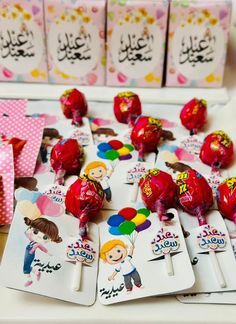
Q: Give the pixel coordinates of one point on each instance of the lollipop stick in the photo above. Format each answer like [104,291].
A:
[77,276]
[134,192]
[217,269]
[169,264]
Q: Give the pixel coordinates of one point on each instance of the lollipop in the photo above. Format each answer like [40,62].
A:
[194,115]
[158,192]
[195,196]
[146,134]
[217,150]
[66,158]
[226,199]
[127,107]
[74,105]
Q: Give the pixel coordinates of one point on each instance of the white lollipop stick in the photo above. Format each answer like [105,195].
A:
[77,276]
[169,264]
[217,269]
[134,192]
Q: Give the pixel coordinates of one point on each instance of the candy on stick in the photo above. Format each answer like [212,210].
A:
[127,107]
[217,150]
[74,105]
[158,192]
[193,115]
[84,199]
[195,196]
[146,134]
[226,198]
[66,159]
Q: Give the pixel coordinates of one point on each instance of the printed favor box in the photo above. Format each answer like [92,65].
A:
[76,41]
[197,42]
[136,36]
[22,41]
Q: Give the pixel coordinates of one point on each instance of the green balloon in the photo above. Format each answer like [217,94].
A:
[144,211]
[129,147]
[127,227]
[112,155]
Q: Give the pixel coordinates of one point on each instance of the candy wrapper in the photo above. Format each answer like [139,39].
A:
[74,106]
[127,107]
[146,134]
[66,159]
[194,115]
[217,150]
[226,199]
[84,199]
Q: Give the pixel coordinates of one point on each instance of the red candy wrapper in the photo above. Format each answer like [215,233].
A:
[127,107]
[217,150]
[74,105]
[158,192]
[226,199]
[66,158]
[194,194]
[146,134]
[194,115]
[84,199]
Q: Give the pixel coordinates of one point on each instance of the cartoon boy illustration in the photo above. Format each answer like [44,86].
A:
[116,252]
[98,171]
[40,231]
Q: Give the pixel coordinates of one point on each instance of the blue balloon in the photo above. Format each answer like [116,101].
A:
[103,147]
[101,155]
[115,220]
[114,231]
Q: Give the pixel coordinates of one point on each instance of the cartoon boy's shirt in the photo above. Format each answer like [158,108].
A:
[126,267]
[104,183]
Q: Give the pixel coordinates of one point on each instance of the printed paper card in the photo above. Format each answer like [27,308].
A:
[22,41]
[211,253]
[6,184]
[13,108]
[44,250]
[29,130]
[135,251]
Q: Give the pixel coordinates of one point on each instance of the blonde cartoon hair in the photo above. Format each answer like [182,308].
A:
[108,246]
[94,165]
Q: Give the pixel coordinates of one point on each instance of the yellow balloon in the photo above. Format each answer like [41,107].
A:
[123,151]
[28,209]
[138,219]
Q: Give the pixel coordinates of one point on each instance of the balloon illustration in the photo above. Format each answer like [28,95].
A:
[129,221]
[115,149]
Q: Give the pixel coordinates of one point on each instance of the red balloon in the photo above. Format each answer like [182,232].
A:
[217,150]
[146,135]
[127,107]
[194,194]
[66,158]
[84,199]
[158,192]
[194,115]
[226,198]
[74,105]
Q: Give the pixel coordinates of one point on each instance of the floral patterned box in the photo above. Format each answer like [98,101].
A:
[197,42]
[136,36]
[22,41]
[76,41]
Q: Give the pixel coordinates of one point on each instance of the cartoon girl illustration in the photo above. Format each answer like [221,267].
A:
[98,171]
[40,231]
[48,135]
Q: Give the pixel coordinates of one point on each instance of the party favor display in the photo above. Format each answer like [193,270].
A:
[76,41]
[197,43]
[136,35]
[22,41]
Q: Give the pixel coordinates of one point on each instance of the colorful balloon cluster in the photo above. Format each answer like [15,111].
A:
[115,149]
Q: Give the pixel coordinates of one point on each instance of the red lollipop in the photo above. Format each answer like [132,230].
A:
[217,150]
[127,107]
[194,115]
[84,199]
[74,105]
[194,194]
[158,192]
[66,158]
[226,198]
[146,134]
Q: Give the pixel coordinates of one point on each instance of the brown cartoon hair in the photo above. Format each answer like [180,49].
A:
[45,226]
[52,133]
